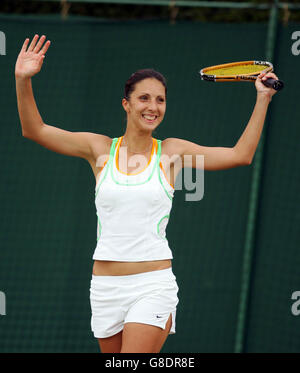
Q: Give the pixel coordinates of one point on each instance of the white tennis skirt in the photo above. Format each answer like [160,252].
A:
[147,298]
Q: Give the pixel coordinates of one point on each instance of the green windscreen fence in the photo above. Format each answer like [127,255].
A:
[48,216]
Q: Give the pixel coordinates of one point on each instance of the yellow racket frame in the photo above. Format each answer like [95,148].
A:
[205,75]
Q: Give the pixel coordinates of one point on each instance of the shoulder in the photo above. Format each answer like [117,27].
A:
[100,145]
[172,146]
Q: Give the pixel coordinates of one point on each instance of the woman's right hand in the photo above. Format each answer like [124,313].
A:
[29,62]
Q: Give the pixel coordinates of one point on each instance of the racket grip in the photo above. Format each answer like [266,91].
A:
[273,83]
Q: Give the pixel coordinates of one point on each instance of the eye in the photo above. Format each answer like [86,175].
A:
[144,97]
[161,100]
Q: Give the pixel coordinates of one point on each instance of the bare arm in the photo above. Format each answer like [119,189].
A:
[29,63]
[77,144]
[219,158]
[248,142]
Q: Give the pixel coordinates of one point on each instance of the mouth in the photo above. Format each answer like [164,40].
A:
[149,118]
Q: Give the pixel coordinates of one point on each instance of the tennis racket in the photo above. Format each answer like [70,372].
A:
[241,71]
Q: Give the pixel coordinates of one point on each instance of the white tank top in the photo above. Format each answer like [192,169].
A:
[133,210]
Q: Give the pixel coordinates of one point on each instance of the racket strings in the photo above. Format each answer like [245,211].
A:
[237,70]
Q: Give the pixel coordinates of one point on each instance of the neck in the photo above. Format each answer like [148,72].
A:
[137,143]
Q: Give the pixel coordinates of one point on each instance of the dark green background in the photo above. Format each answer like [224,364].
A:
[48,217]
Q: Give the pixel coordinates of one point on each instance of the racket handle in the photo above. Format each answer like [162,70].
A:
[273,83]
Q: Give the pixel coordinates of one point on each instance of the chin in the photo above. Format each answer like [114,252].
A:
[150,127]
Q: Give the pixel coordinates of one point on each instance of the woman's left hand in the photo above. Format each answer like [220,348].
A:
[261,88]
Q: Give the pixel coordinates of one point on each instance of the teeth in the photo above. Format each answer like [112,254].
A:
[149,117]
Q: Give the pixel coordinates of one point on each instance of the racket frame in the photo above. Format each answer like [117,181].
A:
[204,73]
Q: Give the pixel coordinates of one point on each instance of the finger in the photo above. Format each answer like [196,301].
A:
[270,75]
[39,44]
[24,46]
[45,47]
[273,76]
[32,44]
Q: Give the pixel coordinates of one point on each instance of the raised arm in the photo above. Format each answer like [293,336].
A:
[219,158]
[29,63]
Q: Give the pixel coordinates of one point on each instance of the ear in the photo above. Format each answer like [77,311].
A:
[125,105]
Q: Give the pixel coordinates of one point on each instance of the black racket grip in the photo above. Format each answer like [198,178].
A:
[273,83]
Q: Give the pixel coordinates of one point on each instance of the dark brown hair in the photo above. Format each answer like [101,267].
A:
[141,75]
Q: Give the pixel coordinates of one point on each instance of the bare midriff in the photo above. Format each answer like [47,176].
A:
[112,268]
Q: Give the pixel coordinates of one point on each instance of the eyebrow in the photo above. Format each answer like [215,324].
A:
[145,93]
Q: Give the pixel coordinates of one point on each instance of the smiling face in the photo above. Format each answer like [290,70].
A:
[146,106]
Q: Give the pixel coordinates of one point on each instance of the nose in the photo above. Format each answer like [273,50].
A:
[153,105]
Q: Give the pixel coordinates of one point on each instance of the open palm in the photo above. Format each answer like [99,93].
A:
[29,61]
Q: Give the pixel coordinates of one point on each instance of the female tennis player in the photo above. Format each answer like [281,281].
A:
[133,290]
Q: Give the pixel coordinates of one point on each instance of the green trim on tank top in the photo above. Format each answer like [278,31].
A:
[111,153]
[156,166]
[158,226]
[141,183]
[99,229]
[158,170]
